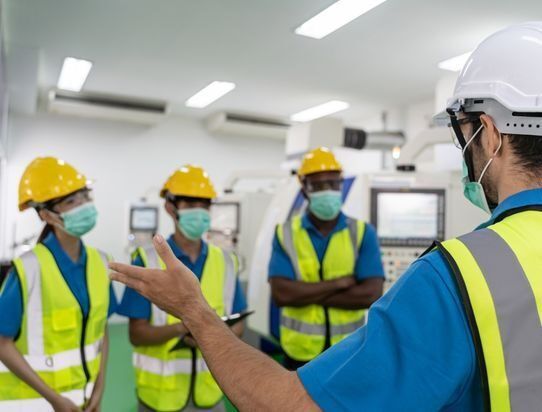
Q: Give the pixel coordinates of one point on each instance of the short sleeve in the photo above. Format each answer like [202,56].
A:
[369,263]
[133,305]
[416,349]
[280,264]
[11,306]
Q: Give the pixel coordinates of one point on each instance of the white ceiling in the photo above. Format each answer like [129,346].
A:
[169,49]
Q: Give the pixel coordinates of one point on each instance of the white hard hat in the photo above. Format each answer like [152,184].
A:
[503,78]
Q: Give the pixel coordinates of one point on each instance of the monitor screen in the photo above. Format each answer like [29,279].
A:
[409,217]
[144,218]
[225,217]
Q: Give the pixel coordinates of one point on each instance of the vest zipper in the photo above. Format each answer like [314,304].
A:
[84,334]
[193,377]
[327,341]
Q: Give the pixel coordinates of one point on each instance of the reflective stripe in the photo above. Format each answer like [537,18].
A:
[158,316]
[162,367]
[353,231]
[104,258]
[302,327]
[347,328]
[289,248]
[59,361]
[229,282]
[34,320]
[77,396]
[201,365]
[517,315]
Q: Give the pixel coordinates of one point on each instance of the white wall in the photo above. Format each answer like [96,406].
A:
[126,161]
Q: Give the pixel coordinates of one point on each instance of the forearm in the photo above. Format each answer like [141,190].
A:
[293,293]
[238,329]
[360,296]
[142,333]
[17,364]
[250,379]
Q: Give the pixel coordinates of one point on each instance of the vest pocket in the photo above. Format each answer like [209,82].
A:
[64,319]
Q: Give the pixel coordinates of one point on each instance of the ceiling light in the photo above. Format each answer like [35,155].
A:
[74,73]
[335,16]
[321,110]
[455,64]
[209,94]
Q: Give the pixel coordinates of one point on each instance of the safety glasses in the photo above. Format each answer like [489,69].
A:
[77,198]
[457,135]
[321,185]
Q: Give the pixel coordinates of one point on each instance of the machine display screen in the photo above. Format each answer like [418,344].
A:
[408,217]
[144,218]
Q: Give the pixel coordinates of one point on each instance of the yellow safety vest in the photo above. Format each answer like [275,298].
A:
[304,330]
[165,380]
[498,271]
[58,342]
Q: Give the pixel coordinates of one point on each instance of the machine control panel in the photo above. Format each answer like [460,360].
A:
[396,261]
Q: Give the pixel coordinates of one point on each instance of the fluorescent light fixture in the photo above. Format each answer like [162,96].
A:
[209,94]
[321,110]
[335,16]
[74,73]
[455,64]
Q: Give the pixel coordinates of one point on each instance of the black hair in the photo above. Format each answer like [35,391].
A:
[45,232]
[528,153]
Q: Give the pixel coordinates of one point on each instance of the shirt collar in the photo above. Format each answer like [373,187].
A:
[62,258]
[307,224]
[525,198]
[180,254]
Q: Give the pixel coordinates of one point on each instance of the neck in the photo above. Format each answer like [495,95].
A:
[324,226]
[191,247]
[513,181]
[70,244]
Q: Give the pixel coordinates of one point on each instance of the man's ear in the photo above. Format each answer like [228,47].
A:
[493,137]
[170,209]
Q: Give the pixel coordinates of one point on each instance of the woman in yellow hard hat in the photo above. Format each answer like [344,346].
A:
[170,379]
[56,300]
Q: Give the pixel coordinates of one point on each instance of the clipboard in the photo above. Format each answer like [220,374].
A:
[229,320]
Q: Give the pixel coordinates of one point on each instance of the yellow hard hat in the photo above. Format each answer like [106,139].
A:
[319,160]
[189,181]
[48,178]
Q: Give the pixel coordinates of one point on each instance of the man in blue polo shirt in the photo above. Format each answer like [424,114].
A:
[461,329]
[325,268]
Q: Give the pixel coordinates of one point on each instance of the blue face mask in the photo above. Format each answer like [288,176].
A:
[474,191]
[326,204]
[80,220]
[193,223]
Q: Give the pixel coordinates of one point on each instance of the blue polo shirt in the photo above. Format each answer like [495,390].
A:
[369,263]
[416,351]
[11,305]
[135,306]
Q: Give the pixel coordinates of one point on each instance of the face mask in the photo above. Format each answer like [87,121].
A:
[325,205]
[474,191]
[193,223]
[80,220]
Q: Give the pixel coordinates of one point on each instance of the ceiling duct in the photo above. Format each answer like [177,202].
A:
[106,106]
[360,139]
[244,125]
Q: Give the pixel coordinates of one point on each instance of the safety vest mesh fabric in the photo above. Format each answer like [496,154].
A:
[303,329]
[498,272]
[56,340]
[165,380]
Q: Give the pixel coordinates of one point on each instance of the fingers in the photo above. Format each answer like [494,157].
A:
[130,282]
[165,252]
[134,272]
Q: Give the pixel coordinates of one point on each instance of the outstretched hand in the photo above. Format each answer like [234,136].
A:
[173,289]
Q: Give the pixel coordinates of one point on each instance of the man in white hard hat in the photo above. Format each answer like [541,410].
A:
[461,330]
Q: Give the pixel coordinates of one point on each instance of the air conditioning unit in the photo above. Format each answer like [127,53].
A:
[242,125]
[105,106]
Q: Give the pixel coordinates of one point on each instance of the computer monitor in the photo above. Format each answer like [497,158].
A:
[144,219]
[225,217]
[409,217]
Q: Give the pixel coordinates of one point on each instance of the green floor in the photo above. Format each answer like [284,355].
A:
[120,390]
